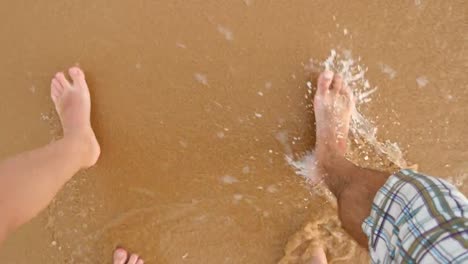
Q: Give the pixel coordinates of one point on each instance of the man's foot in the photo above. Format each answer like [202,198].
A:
[73,104]
[121,257]
[333,104]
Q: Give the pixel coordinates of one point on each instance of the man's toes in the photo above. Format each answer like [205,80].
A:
[350,100]
[337,83]
[120,256]
[63,80]
[133,259]
[324,81]
[348,93]
[140,261]
[77,76]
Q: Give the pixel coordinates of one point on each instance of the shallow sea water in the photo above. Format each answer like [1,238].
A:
[203,110]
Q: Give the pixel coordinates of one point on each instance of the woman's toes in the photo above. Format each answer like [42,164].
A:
[324,81]
[77,76]
[133,259]
[337,84]
[318,256]
[54,95]
[76,71]
[56,90]
[120,256]
[140,261]
[63,80]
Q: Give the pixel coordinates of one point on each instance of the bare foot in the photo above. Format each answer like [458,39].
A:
[121,257]
[333,104]
[318,256]
[73,104]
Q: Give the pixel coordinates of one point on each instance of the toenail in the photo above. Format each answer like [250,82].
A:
[328,74]
[121,254]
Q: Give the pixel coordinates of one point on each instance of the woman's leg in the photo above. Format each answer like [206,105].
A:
[30,180]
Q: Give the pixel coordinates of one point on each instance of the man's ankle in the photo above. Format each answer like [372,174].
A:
[329,161]
[337,172]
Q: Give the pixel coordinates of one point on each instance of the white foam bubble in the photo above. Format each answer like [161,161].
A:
[228,179]
[389,71]
[220,134]
[181,45]
[201,78]
[45,117]
[272,188]
[422,81]
[226,32]
[238,197]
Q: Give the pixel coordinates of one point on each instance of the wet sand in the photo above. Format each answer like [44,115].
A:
[188,101]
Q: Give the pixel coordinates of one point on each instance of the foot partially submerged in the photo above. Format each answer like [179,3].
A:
[73,104]
[333,104]
[121,256]
[353,187]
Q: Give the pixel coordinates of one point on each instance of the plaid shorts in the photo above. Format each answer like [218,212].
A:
[417,219]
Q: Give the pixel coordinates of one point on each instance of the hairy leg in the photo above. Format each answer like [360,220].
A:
[354,187]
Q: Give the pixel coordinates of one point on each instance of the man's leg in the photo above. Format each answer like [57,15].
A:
[408,217]
[354,187]
[29,181]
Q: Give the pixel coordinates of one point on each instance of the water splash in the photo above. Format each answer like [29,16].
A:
[362,129]
[323,228]
[305,166]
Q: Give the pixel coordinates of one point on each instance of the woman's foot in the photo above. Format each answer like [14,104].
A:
[121,256]
[318,256]
[333,104]
[73,104]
